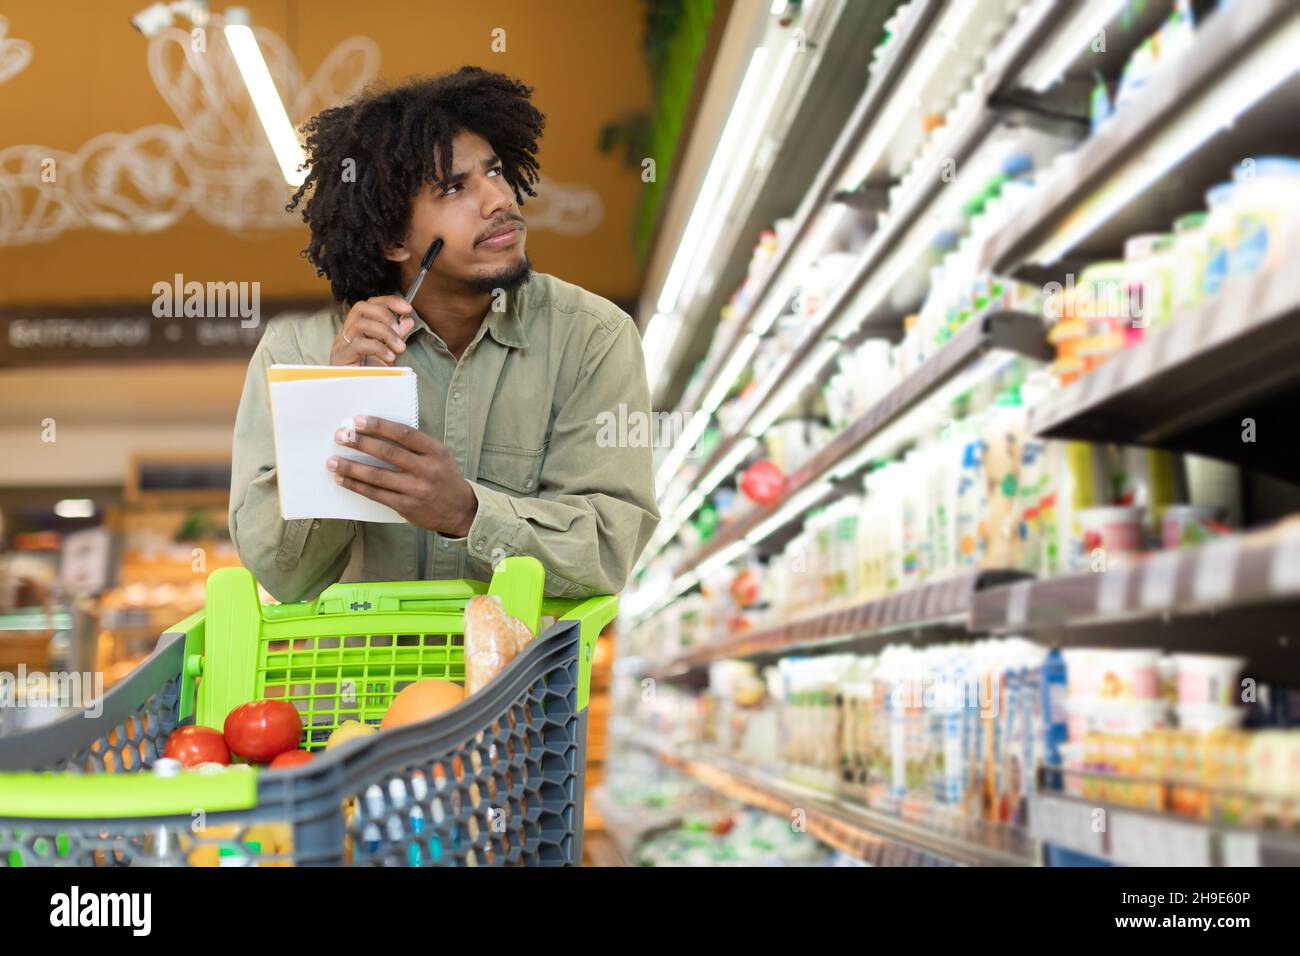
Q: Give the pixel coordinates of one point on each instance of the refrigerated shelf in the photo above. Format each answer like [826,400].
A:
[878,838]
[1213,377]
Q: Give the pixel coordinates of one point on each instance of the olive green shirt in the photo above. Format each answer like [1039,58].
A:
[525,414]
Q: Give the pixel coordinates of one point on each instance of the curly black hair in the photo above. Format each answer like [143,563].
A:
[398,138]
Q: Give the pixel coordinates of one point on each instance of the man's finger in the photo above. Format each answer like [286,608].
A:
[376,351]
[379,477]
[394,303]
[410,438]
[385,497]
[379,448]
[381,330]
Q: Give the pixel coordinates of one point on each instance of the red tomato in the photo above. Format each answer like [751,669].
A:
[292,758]
[195,745]
[762,483]
[262,730]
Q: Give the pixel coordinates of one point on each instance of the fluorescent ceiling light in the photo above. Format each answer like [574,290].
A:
[1069,39]
[75,508]
[721,559]
[266,99]
[796,505]
[657,343]
[778,7]
[771,408]
[706,200]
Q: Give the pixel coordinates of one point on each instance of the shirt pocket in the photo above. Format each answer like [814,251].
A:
[516,471]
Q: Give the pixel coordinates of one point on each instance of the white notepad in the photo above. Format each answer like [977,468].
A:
[309,403]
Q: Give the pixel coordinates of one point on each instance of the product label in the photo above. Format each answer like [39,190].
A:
[1251,252]
[1216,267]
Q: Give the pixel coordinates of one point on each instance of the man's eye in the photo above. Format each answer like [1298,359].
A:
[450,189]
[495,169]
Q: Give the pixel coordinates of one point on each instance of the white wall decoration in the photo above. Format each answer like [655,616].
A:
[218,162]
[14,54]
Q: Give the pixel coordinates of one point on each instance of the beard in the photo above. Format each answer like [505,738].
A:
[508,279]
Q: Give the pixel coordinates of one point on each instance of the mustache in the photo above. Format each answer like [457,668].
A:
[496,227]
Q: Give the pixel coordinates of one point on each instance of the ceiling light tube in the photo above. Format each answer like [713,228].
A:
[706,199]
[801,501]
[1069,39]
[266,99]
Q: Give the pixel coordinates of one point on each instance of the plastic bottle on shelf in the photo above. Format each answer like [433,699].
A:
[846,541]
[1148,260]
[1187,263]
[970,495]
[1003,440]
[1220,232]
[1178,32]
[1267,221]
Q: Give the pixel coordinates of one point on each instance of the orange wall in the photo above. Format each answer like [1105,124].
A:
[89,76]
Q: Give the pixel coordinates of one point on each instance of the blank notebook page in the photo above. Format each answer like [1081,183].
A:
[308,405]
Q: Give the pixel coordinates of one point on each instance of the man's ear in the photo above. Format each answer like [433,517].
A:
[398,253]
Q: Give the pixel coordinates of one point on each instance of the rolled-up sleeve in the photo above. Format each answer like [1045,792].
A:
[293,560]
[595,508]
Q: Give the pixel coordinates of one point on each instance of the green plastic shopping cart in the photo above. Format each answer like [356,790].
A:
[496,780]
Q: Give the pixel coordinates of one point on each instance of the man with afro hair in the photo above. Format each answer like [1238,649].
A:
[517,371]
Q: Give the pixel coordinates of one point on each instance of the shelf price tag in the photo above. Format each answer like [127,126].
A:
[1112,590]
[1240,849]
[1107,377]
[1140,361]
[1183,336]
[1284,575]
[1216,570]
[1159,579]
[1018,603]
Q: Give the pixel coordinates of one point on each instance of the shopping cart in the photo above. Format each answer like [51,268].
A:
[496,780]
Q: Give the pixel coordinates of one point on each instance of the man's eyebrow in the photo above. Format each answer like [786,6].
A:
[488,163]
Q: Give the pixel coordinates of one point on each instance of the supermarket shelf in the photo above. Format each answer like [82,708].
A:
[868,110]
[932,609]
[1012,331]
[723,372]
[1188,385]
[1235,571]
[36,619]
[884,254]
[1154,159]
[1134,837]
[875,837]
[625,829]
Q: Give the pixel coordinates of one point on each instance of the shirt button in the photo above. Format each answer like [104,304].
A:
[455,396]
[528,482]
[315,525]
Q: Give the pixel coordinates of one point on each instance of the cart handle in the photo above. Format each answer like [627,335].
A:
[592,615]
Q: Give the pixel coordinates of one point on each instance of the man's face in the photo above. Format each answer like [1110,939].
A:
[474,212]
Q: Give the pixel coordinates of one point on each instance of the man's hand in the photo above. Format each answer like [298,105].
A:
[427,489]
[370,335]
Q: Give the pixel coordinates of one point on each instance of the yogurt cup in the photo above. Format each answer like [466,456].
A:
[1207,679]
[1086,716]
[1116,529]
[1081,674]
[1130,717]
[1187,521]
[1209,717]
[1129,674]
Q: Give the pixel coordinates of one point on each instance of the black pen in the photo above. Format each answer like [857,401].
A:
[435,247]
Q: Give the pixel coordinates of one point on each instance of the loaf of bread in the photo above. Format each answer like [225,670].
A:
[492,639]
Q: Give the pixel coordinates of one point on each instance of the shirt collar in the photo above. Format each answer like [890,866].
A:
[506,326]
